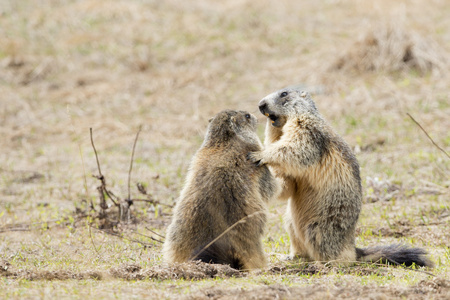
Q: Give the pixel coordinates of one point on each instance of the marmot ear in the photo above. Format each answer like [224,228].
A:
[210,119]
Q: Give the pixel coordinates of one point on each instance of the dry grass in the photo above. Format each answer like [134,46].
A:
[390,48]
[66,66]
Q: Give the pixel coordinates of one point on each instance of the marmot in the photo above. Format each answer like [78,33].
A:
[320,176]
[222,187]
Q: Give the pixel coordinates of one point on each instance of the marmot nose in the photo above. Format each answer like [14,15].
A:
[262,107]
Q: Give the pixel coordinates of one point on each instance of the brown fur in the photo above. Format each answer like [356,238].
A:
[222,187]
[320,176]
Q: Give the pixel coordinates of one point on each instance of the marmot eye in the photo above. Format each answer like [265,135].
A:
[283,94]
[247,116]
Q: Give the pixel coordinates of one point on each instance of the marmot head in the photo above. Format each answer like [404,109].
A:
[231,124]
[283,104]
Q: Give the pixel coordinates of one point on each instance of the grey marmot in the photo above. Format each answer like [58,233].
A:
[222,188]
[320,176]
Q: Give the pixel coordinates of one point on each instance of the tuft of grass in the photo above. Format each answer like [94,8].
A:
[392,48]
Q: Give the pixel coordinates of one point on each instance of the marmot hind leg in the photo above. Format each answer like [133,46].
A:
[297,247]
[255,260]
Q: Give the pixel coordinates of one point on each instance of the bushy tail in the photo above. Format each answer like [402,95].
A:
[219,253]
[394,254]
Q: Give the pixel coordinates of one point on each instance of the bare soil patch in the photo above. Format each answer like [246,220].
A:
[437,288]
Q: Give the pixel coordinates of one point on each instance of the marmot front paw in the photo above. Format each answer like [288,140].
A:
[256,158]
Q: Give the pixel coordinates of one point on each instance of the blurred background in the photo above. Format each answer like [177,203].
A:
[67,66]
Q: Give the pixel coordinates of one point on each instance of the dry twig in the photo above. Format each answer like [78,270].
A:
[123,204]
[123,237]
[102,188]
[429,137]
[152,238]
[152,201]
[243,220]
[92,240]
[132,158]
[14,229]
[154,232]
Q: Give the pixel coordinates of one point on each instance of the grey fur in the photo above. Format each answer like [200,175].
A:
[223,187]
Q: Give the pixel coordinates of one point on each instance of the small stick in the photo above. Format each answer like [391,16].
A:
[420,126]
[23,226]
[154,232]
[152,201]
[101,177]
[92,240]
[111,195]
[14,229]
[132,158]
[152,238]
[81,156]
[123,237]
[243,220]
[96,156]
[84,175]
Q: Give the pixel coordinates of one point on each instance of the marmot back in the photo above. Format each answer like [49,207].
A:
[222,187]
[320,177]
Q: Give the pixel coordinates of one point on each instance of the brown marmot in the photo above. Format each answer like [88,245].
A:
[222,187]
[320,176]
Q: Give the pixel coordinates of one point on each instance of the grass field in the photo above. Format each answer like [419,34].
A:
[168,66]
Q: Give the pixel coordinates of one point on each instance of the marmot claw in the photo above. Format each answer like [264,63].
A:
[255,158]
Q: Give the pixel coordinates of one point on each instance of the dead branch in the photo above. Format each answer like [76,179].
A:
[96,156]
[92,240]
[132,158]
[123,204]
[152,238]
[28,226]
[152,201]
[154,232]
[14,229]
[429,137]
[80,151]
[123,237]
[102,189]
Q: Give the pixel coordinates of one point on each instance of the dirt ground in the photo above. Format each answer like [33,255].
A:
[168,66]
